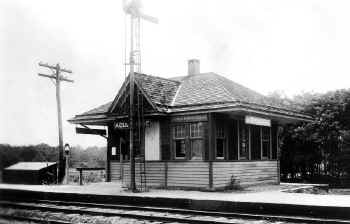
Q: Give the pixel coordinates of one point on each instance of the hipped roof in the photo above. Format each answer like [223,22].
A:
[200,92]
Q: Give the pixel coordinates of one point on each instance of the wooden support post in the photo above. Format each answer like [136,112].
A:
[109,148]
[211,148]
[238,141]
[249,144]
[165,174]
[278,156]
[211,136]
[211,175]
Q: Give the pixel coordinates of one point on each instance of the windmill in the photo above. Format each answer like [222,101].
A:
[133,9]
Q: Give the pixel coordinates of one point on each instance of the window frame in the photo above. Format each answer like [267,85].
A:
[269,140]
[188,138]
[242,127]
[191,138]
[175,138]
[223,138]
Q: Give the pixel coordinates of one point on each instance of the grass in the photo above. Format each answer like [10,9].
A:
[92,176]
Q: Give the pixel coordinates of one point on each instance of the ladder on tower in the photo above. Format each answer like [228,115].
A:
[140,137]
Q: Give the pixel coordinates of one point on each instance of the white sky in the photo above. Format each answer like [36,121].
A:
[292,46]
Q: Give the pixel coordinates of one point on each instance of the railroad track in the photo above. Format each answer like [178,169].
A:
[163,215]
[16,218]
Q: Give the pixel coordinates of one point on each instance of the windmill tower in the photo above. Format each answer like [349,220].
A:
[132,8]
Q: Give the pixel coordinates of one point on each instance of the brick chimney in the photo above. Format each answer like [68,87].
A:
[193,67]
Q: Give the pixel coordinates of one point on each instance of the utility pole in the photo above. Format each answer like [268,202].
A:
[57,79]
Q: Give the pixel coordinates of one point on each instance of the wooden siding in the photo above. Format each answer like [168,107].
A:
[180,174]
[115,170]
[188,174]
[165,139]
[195,174]
[152,144]
[155,173]
[246,173]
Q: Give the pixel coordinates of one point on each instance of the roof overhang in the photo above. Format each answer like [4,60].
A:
[91,119]
[104,119]
[281,115]
[242,108]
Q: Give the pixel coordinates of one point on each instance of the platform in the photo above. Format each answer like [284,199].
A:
[265,199]
[261,194]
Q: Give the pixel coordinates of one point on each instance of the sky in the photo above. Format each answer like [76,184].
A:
[272,45]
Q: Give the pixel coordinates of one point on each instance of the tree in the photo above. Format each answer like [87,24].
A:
[310,146]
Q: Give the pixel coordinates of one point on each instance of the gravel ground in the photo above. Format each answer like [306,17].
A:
[74,218]
[87,219]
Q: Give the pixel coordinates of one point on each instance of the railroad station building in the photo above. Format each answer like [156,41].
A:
[200,131]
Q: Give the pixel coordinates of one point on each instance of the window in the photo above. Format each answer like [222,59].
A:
[195,130]
[188,141]
[266,142]
[125,149]
[255,142]
[220,143]
[243,141]
[179,141]
[196,141]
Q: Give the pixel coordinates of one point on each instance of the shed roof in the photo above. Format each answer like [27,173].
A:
[30,165]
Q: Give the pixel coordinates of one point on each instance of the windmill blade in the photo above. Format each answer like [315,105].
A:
[132,7]
[125,6]
[148,18]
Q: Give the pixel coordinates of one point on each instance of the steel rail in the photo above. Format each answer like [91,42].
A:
[84,211]
[182,214]
[299,219]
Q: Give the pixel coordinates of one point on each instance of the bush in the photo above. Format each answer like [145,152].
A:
[233,184]
[88,176]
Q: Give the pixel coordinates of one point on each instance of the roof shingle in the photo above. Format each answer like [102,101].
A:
[212,88]
[160,90]
[203,91]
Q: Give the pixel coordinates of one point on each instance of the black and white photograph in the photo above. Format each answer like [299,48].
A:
[164,111]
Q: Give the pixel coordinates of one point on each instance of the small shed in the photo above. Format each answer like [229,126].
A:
[31,173]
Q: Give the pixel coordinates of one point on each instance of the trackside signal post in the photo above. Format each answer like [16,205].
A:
[57,78]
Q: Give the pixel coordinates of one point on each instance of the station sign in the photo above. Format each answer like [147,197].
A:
[257,121]
[190,118]
[90,131]
[121,125]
